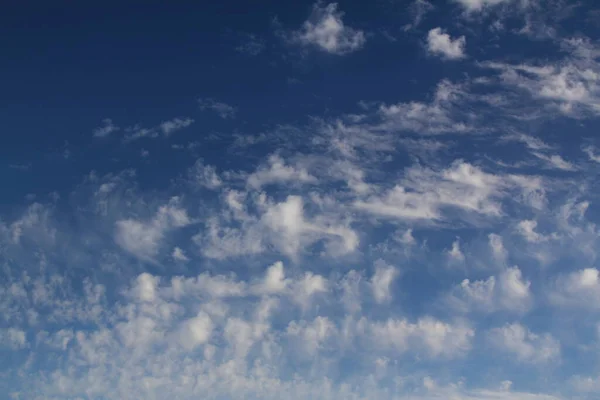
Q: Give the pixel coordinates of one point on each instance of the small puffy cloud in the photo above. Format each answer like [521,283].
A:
[224,110]
[144,238]
[13,338]
[508,291]
[205,176]
[441,44]
[527,346]
[326,31]
[274,280]
[145,288]
[526,228]
[277,171]
[479,5]
[281,225]
[196,331]
[179,255]
[382,280]
[308,286]
[497,247]
[436,338]
[174,125]
[311,335]
[577,289]
[106,129]
[455,253]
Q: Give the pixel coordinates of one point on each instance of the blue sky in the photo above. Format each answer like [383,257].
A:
[298,200]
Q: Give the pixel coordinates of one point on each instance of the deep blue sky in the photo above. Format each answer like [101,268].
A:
[377,200]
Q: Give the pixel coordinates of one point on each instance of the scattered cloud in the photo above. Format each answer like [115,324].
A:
[326,31]
[143,239]
[508,292]
[106,129]
[224,111]
[441,44]
[174,125]
[526,346]
[418,9]
[252,45]
[479,5]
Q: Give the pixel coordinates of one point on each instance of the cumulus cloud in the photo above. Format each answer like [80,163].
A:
[144,238]
[326,31]
[382,280]
[508,291]
[434,337]
[577,289]
[441,44]
[526,346]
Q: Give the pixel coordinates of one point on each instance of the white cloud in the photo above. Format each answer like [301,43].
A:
[382,280]
[304,289]
[444,114]
[479,5]
[13,338]
[276,171]
[224,110]
[455,252]
[532,143]
[106,129]
[418,9]
[312,334]
[426,194]
[143,239]
[326,30]
[571,87]
[179,255]
[555,161]
[206,176]
[509,291]
[497,246]
[526,228]
[591,152]
[174,125]
[195,331]
[577,289]
[274,281]
[136,132]
[441,44]
[434,337]
[527,346]
[586,384]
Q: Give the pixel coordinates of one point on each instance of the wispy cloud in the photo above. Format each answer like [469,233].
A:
[224,110]
[106,129]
